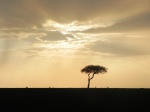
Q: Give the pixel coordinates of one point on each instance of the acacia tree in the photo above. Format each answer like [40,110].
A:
[93,69]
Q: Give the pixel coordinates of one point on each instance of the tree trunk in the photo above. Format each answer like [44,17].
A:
[89,79]
[88,83]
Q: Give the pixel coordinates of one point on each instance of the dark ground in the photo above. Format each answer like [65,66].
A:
[75,98]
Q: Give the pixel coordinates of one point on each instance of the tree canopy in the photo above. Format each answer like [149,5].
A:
[95,69]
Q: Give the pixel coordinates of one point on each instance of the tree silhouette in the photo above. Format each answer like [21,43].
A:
[93,69]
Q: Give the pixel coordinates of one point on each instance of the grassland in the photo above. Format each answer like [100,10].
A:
[92,98]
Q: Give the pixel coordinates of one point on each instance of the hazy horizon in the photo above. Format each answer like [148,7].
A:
[45,43]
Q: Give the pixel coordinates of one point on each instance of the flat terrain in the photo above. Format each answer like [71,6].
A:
[74,97]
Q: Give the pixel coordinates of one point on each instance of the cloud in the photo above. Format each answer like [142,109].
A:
[122,46]
[30,13]
[55,36]
[25,19]
[137,23]
[18,14]
[7,48]
[30,16]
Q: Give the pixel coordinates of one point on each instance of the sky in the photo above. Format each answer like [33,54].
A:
[46,43]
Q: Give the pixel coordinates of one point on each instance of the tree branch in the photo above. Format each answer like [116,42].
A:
[89,76]
[92,76]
